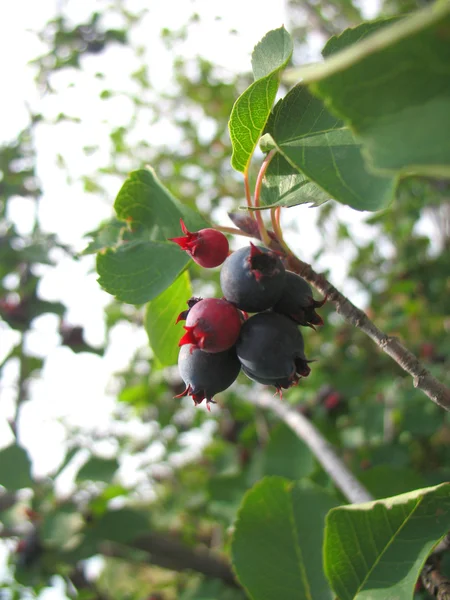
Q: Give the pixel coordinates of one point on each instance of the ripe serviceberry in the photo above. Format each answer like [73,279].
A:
[297,301]
[252,278]
[206,374]
[207,247]
[271,350]
[212,325]
[278,382]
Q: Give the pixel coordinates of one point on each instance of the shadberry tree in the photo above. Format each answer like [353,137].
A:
[336,488]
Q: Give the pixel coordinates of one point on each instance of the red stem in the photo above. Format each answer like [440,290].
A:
[262,228]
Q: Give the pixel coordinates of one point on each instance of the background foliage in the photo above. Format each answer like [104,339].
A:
[150,528]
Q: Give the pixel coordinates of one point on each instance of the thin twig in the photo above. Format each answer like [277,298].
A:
[422,378]
[319,446]
[21,389]
[170,553]
[433,581]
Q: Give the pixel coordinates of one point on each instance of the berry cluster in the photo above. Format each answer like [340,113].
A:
[221,338]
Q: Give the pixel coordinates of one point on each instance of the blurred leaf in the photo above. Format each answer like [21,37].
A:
[277,542]
[98,469]
[160,318]
[15,468]
[99,504]
[138,272]
[120,526]
[212,589]
[68,457]
[383,481]
[251,110]
[376,550]
[419,417]
[226,494]
[325,151]
[286,455]
[59,525]
[386,84]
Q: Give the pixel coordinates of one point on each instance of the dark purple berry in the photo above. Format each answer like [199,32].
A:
[213,325]
[252,278]
[271,350]
[207,247]
[297,301]
[206,374]
[278,382]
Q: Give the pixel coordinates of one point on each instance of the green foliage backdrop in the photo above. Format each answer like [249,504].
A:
[236,505]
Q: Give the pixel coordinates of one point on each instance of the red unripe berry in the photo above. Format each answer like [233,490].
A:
[332,401]
[207,247]
[212,325]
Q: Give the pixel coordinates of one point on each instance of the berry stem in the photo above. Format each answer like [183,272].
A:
[275,217]
[232,231]
[248,194]
[262,228]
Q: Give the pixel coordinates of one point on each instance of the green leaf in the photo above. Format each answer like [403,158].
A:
[393,88]
[271,53]
[211,589]
[252,109]
[59,526]
[108,234]
[160,318]
[376,550]
[98,469]
[284,185]
[68,457]
[277,542]
[15,468]
[139,271]
[286,455]
[325,151]
[350,36]
[120,526]
[144,201]
[145,264]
